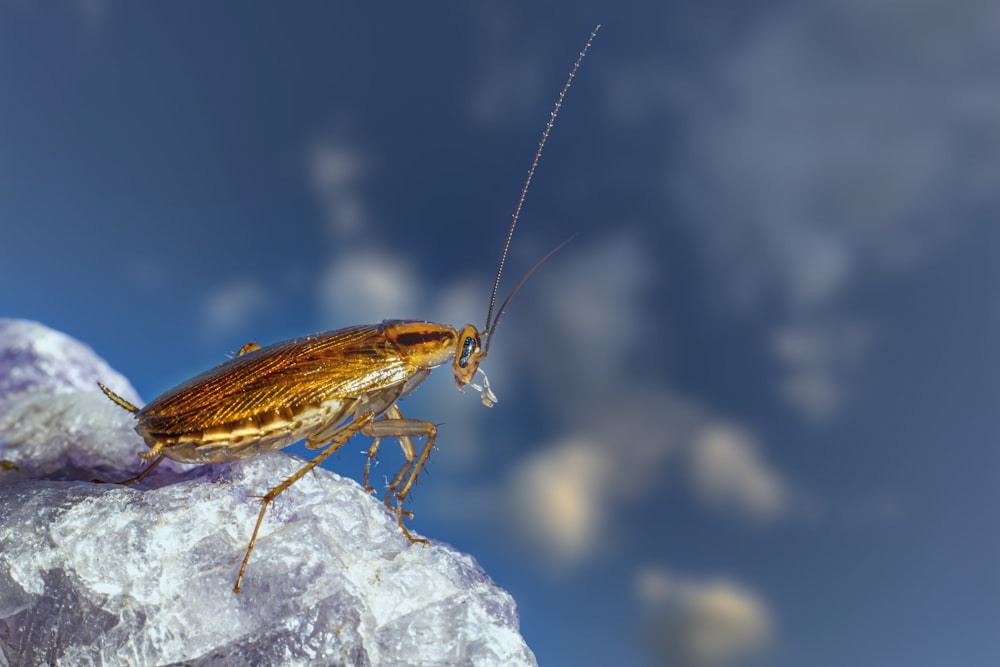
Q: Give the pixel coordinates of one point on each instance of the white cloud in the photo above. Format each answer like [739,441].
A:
[571,331]
[576,334]
[336,170]
[230,308]
[833,142]
[561,498]
[820,360]
[702,623]
[594,295]
[819,155]
[361,283]
[727,471]
[357,283]
[564,497]
[368,287]
[577,323]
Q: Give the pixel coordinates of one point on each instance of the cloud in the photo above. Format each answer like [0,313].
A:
[587,309]
[356,282]
[230,307]
[621,426]
[825,144]
[361,283]
[595,296]
[834,142]
[820,361]
[575,326]
[368,286]
[702,623]
[561,497]
[727,471]
[336,171]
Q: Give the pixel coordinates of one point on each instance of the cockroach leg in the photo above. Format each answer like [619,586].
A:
[411,478]
[153,452]
[372,454]
[405,442]
[404,430]
[142,475]
[345,434]
[138,478]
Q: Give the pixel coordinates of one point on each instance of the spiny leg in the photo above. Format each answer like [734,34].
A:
[345,435]
[405,442]
[414,469]
[404,430]
[372,451]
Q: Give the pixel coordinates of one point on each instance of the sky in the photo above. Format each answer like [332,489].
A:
[747,417]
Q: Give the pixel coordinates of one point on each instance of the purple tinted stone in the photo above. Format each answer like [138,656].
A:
[35,358]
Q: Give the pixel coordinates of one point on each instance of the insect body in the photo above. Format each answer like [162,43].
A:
[324,389]
[268,398]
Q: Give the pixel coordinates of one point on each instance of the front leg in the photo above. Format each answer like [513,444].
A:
[395,426]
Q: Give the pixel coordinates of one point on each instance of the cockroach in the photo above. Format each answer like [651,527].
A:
[326,388]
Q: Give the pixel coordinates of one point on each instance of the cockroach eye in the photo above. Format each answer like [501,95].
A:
[468,347]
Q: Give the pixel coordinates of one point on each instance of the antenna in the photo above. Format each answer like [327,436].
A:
[490,322]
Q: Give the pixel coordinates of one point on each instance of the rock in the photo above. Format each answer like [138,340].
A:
[142,575]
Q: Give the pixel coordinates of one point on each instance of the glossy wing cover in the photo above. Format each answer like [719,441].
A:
[305,371]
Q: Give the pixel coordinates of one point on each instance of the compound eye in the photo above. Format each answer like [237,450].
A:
[469,346]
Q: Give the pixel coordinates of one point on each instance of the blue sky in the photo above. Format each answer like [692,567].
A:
[747,416]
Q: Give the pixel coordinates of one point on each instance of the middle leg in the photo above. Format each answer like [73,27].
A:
[395,426]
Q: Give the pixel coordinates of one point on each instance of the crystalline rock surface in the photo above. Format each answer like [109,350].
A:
[102,574]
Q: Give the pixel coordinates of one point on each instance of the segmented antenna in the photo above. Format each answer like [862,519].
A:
[524,192]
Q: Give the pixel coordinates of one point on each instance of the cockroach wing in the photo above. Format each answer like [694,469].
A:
[342,364]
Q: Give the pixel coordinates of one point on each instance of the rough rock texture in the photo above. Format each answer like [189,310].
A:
[95,574]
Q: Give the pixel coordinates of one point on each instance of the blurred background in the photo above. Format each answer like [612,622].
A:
[748,416]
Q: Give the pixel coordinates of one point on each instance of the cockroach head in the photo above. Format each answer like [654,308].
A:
[468,354]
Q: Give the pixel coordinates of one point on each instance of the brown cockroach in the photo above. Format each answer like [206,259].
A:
[325,388]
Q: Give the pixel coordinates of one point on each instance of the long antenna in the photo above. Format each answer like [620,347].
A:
[527,182]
